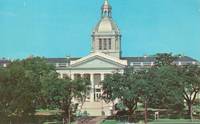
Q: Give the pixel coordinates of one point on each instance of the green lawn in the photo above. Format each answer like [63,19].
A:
[110,122]
[161,121]
[175,121]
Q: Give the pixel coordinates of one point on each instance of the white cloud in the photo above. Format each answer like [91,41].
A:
[6,13]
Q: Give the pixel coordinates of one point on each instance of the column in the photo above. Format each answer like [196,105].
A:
[92,88]
[102,101]
[61,75]
[72,76]
[102,77]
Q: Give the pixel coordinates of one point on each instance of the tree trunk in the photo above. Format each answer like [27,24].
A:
[66,115]
[190,111]
[69,118]
[65,119]
[113,108]
[145,113]
[130,114]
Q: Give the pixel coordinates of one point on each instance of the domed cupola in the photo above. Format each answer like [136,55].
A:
[106,25]
[106,35]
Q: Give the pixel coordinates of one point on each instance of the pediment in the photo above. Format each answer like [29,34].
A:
[98,61]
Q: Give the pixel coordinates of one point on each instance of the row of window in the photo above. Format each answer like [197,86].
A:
[105,44]
[141,63]
[152,63]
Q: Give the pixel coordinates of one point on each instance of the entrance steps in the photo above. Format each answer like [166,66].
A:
[96,108]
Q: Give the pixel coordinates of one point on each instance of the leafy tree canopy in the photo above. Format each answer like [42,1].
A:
[20,85]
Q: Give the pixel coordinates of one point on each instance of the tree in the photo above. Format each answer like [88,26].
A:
[146,90]
[41,72]
[20,86]
[191,85]
[18,91]
[187,78]
[166,78]
[122,87]
[110,91]
[165,84]
[60,92]
[163,59]
[158,88]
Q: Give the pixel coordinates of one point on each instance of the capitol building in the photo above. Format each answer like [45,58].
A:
[104,59]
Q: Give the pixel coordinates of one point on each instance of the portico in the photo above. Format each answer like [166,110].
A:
[96,87]
[94,67]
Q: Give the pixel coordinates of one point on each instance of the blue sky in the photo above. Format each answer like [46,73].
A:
[56,28]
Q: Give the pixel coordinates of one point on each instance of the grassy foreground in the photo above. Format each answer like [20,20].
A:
[110,122]
[161,121]
[175,121]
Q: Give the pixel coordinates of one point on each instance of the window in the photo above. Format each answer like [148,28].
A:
[62,64]
[135,63]
[109,40]
[77,76]
[87,76]
[100,44]
[98,90]
[146,63]
[65,76]
[105,44]
[107,75]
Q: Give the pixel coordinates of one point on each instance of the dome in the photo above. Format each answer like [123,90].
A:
[106,25]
